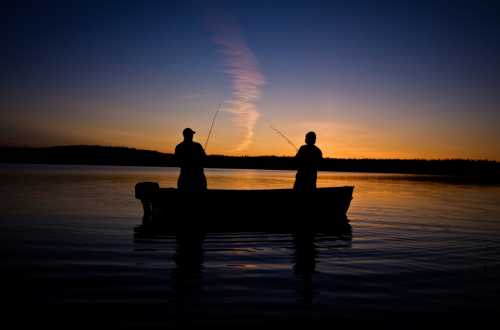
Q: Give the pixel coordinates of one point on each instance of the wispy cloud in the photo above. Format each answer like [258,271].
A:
[240,64]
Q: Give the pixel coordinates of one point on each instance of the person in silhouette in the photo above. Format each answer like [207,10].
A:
[307,159]
[191,157]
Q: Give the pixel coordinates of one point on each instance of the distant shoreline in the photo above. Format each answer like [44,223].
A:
[477,170]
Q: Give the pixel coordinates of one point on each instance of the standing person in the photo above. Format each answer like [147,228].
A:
[191,158]
[307,159]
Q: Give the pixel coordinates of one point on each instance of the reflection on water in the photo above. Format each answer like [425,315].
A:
[416,248]
[187,275]
[189,257]
[304,259]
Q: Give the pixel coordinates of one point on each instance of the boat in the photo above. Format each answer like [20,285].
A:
[222,210]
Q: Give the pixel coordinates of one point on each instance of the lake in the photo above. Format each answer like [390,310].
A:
[419,250]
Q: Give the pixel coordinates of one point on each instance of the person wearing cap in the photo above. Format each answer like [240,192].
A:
[191,157]
[307,159]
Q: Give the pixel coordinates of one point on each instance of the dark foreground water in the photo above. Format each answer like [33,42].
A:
[420,251]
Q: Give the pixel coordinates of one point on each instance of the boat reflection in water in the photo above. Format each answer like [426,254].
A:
[189,258]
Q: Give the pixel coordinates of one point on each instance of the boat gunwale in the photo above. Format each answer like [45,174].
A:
[283,190]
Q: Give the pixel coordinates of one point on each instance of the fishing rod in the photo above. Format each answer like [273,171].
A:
[212,126]
[285,137]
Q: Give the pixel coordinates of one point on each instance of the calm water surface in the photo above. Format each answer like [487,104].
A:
[418,249]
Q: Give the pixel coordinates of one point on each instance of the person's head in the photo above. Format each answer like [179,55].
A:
[310,138]
[188,134]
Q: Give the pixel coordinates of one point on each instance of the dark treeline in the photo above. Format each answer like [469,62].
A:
[86,155]
[98,155]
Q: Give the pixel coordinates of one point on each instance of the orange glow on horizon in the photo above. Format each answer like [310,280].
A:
[338,137]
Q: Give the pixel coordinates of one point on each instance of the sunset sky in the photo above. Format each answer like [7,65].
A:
[372,78]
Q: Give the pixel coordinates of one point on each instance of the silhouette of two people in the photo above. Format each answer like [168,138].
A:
[191,158]
[307,161]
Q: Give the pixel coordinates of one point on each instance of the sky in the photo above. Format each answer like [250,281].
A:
[373,79]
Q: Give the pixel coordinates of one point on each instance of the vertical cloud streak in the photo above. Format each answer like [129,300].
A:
[240,64]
